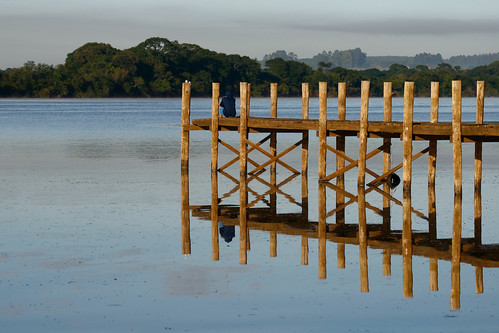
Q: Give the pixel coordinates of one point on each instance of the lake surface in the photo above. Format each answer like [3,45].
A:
[92,232]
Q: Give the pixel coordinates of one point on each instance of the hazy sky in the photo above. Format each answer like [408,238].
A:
[46,30]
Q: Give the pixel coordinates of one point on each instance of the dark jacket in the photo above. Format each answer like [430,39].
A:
[229,104]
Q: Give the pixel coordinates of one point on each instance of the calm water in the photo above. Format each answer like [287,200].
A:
[91,230]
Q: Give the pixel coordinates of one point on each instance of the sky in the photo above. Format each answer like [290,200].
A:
[45,31]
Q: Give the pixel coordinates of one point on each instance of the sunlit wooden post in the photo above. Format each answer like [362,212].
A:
[480,93]
[185,214]
[186,121]
[387,156]
[305,93]
[243,188]
[322,129]
[387,164]
[340,164]
[214,171]
[406,208]
[273,146]
[364,110]
[432,162]
[273,244]
[456,227]
[432,168]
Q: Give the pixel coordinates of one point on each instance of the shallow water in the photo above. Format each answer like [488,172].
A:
[91,231]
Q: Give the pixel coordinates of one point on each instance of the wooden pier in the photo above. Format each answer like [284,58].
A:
[408,131]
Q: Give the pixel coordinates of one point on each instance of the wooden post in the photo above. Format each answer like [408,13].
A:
[432,163]
[387,262]
[456,227]
[214,126]
[186,116]
[186,120]
[407,169]
[322,129]
[480,91]
[305,97]
[340,164]
[243,186]
[321,231]
[273,135]
[387,156]
[214,171]
[364,110]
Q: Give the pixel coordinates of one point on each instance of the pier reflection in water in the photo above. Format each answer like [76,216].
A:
[261,213]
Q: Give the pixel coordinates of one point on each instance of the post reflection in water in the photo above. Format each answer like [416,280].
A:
[225,219]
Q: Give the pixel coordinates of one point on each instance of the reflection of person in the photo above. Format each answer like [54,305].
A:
[228,105]
[227,232]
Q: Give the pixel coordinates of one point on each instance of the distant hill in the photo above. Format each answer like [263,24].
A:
[356,59]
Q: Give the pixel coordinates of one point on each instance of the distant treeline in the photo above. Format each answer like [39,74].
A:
[356,59]
[157,67]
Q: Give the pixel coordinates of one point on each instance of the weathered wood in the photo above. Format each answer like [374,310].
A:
[273,135]
[432,161]
[214,125]
[387,156]
[364,110]
[457,218]
[340,164]
[480,93]
[407,179]
[214,168]
[479,280]
[243,190]
[186,119]
[305,134]
[387,262]
[433,274]
[322,129]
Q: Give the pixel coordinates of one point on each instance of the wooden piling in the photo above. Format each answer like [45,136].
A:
[387,156]
[322,129]
[273,134]
[480,93]
[304,250]
[432,162]
[243,187]
[340,164]
[305,97]
[361,180]
[186,120]
[456,227]
[407,179]
[273,244]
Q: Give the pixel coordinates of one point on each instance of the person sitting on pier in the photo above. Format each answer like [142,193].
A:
[228,105]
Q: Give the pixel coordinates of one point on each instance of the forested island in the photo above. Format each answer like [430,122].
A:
[157,67]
